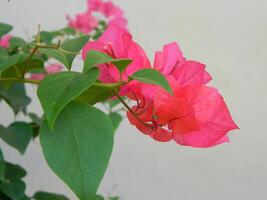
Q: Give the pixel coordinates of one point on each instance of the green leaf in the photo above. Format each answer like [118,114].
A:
[152,76]
[2,166]
[113,103]
[14,172]
[25,198]
[14,190]
[115,119]
[113,198]
[94,58]
[4,29]
[94,94]
[57,90]
[15,42]
[57,54]
[79,147]
[16,97]
[98,197]
[3,55]
[48,196]
[74,45]
[35,118]
[17,135]
[68,31]
[11,61]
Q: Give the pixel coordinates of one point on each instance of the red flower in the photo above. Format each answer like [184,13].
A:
[195,115]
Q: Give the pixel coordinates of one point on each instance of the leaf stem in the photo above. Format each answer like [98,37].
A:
[129,109]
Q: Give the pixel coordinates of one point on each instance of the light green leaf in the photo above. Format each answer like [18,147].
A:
[14,190]
[79,147]
[48,196]
[4,29]
[115,119]
[74,45]
[17,135]
[94,58]
[152,76]
[56,54]
[57,90]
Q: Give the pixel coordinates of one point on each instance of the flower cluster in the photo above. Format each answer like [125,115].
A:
[194,115]
[98,10]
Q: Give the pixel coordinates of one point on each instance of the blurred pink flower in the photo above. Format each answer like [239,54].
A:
[4,41]
[88,21]
[84,22]
[50,69]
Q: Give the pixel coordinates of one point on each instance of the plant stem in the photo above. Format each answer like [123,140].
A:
[21,80]
[129,109]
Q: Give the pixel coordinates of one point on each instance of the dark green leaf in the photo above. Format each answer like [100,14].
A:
[4,29]
[152,76]
[48,196]
[14,190]
[79,147]
[25,198]
[17,135]
[16,97]
[2,166]
[95,58]
[115,119]
[74,46]
[94,94]
[14,172]
[57,90]
[56,54]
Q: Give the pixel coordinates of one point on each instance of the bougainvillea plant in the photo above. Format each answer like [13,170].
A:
[167,100]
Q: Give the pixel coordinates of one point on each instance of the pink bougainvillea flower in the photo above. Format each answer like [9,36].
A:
[4,41]
[84,22]
[117,43]
[94,5]
[195,115]
[50,69]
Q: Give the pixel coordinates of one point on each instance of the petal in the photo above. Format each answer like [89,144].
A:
[138,57]
[161,135]
[92,45]
[172,57]
[191,72]
[159,60]
[119,39]
[212,114]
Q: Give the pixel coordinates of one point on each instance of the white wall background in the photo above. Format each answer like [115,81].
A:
[231,38]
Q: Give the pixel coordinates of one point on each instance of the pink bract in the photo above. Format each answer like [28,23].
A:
[4,41]
[117,43]
[195,115]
